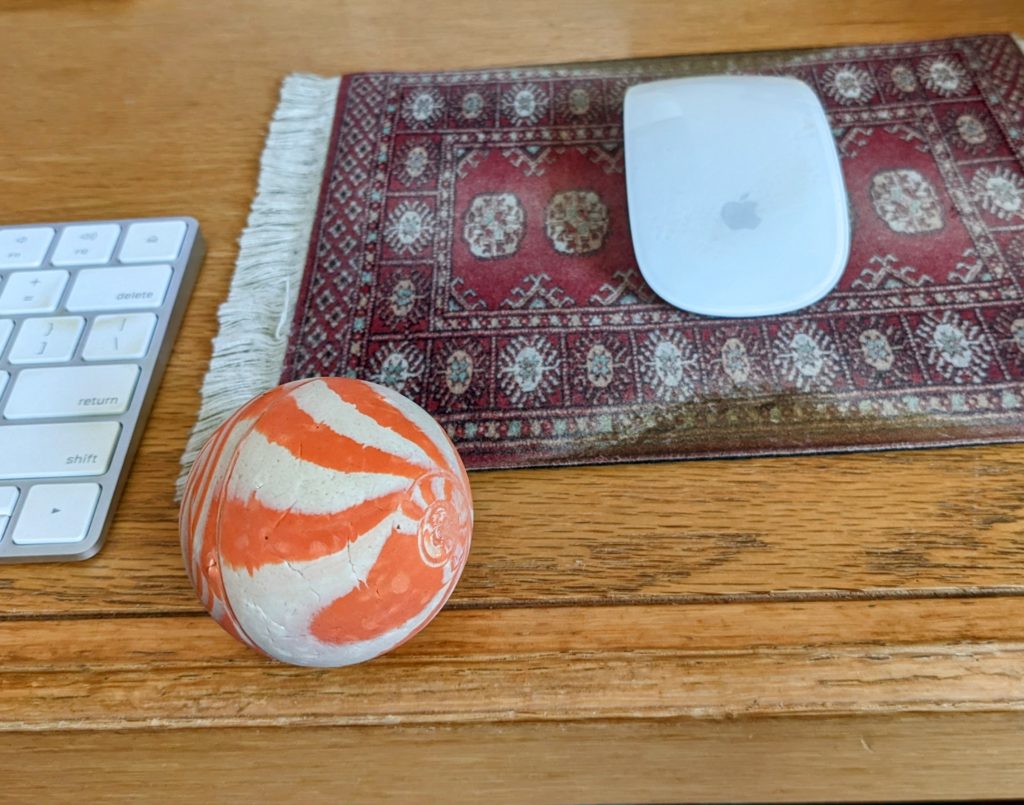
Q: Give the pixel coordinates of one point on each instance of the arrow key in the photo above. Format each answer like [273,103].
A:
[56,513]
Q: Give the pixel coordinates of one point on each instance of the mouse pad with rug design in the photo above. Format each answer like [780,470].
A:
[463,237]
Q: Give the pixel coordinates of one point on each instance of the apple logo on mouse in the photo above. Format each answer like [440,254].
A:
[741,214]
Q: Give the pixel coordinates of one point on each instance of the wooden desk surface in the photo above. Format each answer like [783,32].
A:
[843,627]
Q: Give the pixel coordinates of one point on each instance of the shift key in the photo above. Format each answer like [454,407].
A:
[57,450]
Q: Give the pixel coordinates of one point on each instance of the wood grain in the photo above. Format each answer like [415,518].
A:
[667,760]
[524,665]
[769,528]
[609,618]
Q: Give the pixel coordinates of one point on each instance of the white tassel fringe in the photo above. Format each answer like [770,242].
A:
[255,321]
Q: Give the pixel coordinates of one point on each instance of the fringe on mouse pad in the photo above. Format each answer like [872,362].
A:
[255,321]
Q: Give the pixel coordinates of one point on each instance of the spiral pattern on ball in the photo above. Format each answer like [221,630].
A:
[326,522]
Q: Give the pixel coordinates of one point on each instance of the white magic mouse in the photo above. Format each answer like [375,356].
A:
[737,205]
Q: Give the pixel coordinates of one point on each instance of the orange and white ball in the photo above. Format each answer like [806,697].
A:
[326,522]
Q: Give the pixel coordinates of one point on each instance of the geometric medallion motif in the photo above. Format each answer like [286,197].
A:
[906,201]
[472,251]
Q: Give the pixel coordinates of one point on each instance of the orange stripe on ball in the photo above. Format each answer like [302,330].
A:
[292,428]
[397,589]
[371,403]
[252,534]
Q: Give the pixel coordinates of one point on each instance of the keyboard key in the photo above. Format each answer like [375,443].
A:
[24,248]
[56,513]
[6,325]
[113,338]
[33,291]
[47,340]
[86,314]
[85,245]
[72,391]
[119,288]
[56,450]
[8,497]
[152,241]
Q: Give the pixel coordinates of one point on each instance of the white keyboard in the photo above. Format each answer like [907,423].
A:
[88,314]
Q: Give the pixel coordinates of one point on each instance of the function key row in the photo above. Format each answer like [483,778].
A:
[91,244]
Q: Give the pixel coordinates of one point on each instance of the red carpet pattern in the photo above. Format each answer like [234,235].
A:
[472,251]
